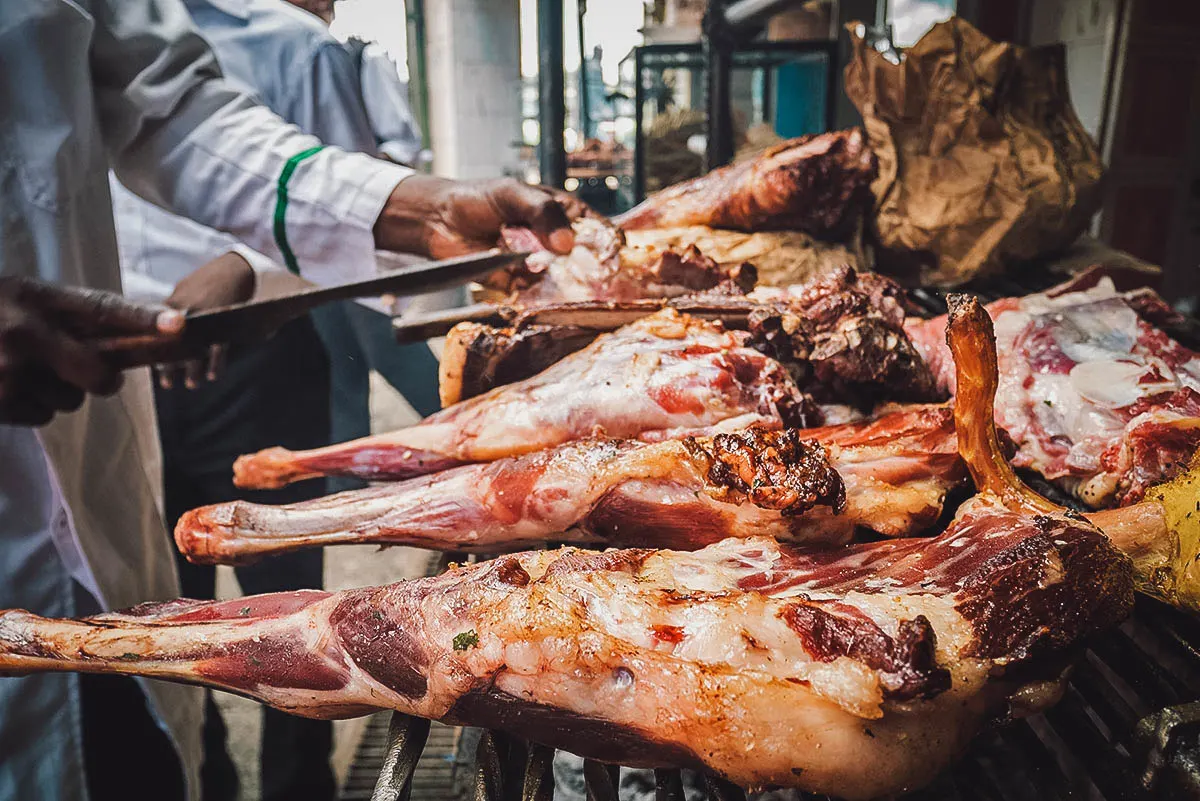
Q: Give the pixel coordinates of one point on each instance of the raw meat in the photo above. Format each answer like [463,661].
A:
[858,672]
[842,337]
[1095,397]
[667,374]
[602,267]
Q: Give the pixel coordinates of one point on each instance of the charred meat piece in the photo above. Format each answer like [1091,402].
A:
[477,358]
[664,376]
[1095,397]
[849,328]
[602,267]
[812,486]
[816,184]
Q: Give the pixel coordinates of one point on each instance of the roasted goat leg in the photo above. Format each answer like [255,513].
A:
[857,672]
[816,184]
[666,374]
[804,486]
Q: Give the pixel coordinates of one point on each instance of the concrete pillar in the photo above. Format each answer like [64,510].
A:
[474,60]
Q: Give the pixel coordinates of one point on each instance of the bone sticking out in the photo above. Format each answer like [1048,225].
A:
[973,345]
[385,457]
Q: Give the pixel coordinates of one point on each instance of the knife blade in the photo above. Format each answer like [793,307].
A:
[257,319]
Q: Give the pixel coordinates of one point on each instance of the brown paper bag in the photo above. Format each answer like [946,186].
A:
[982,161]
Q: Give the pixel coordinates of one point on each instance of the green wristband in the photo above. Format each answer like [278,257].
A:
[281,201]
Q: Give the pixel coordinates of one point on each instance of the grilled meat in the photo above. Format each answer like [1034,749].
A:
[849,328]
[890,474]
[858,672]
[779,257]
[477,358]
[816,184]
[602,267]
[842,336]
[1095,397]
[663,376]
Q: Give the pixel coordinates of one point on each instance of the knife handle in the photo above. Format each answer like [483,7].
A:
[141,350]
[130,342]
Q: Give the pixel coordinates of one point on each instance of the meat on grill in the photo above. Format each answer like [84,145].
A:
[816,184]
[890,474]
[602,267]
[1095,397]
[843,334]
[477,357]
[665,375]
[857,672]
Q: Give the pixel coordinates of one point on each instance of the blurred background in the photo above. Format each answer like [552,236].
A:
[486,76]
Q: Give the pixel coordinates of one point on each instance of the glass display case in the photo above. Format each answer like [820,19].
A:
[780,89]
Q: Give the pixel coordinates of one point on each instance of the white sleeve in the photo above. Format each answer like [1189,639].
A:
[181,137]
[257,261]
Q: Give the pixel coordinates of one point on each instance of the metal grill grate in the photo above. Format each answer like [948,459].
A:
[1127,728]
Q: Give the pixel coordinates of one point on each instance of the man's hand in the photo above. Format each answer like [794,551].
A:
[224,281]
[441,219]
[46,362]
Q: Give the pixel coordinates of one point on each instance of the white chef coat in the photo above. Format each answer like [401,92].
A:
[385,97]
[86,84]
[286,58]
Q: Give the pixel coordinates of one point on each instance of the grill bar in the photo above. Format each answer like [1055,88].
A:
[668,785]
[406,741]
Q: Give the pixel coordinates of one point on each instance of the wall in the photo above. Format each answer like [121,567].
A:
[1153,203]
[1151,139]
[1087,28]
[473,57]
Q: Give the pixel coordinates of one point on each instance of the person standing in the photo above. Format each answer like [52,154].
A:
[276,392]
[130,84]
[385,97]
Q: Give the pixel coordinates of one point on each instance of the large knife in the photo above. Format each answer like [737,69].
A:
[257,319]
[597,315]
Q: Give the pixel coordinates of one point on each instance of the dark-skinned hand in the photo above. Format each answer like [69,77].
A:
[47,364]
[441,219]
[224,281]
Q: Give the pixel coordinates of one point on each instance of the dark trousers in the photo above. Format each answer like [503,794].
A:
[276,393]
[358,341]
[125,753]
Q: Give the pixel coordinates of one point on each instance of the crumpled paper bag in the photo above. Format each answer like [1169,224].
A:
[982,161]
